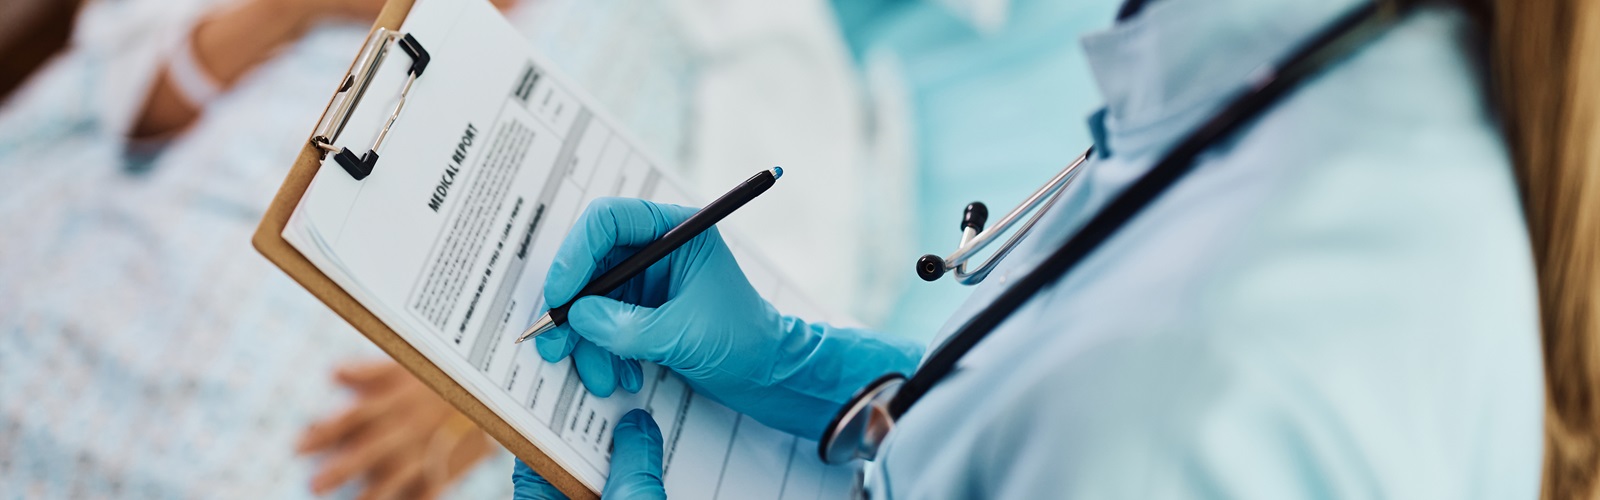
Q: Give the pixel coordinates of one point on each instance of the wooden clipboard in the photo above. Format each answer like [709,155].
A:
[269,241]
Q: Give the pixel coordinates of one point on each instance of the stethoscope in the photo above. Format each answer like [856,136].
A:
[862,424]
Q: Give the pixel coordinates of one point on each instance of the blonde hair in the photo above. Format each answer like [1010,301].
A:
[1544,65]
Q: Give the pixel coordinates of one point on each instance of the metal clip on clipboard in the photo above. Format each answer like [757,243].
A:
[353,87]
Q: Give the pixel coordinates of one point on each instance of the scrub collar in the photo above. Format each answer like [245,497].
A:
[1174,63]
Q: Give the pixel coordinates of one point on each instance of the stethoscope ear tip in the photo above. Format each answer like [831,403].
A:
[930,267]
[974,217]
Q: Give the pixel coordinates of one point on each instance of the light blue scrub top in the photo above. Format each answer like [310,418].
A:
[1337,303]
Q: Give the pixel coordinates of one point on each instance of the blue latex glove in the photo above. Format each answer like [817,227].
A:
[696,313]
[635,465]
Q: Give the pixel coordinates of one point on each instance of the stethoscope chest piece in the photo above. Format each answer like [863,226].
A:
[858,430]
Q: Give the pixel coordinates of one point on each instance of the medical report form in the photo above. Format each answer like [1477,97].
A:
[449,239]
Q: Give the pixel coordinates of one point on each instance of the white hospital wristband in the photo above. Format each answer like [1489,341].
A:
[192,81]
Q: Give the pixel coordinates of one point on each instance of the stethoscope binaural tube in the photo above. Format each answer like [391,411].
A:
[974,237]
[860,427]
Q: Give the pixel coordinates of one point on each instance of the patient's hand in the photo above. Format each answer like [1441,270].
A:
[364,10]
[398,436]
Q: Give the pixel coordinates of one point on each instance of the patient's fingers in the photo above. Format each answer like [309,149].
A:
[358,456]
[427,490]
[402,472]
[331,431]
[388,434]
[360,374]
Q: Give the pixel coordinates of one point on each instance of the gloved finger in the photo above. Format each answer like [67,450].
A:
[632,378]
[620,327]
[596,368]
[624,373]
[635,459]
[628,375]
[528,485]
[560,342]
[606,224]
[556,344]
[649,289]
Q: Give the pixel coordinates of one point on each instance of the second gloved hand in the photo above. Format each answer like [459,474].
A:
[696,313]
[636,465]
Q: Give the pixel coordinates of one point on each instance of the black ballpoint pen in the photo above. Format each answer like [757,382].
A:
[659,249]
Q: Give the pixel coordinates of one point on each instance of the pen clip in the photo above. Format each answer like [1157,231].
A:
[353,87]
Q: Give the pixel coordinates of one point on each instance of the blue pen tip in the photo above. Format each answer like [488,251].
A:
[777,173]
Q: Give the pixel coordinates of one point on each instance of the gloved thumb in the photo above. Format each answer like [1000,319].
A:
[529,485]
[625,329]
[635,459]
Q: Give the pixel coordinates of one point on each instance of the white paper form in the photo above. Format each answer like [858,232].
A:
[449,239]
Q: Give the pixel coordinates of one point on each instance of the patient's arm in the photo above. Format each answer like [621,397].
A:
[233,39]
[226,44]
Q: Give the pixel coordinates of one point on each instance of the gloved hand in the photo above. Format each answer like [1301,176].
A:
[696,313]
[635,465]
